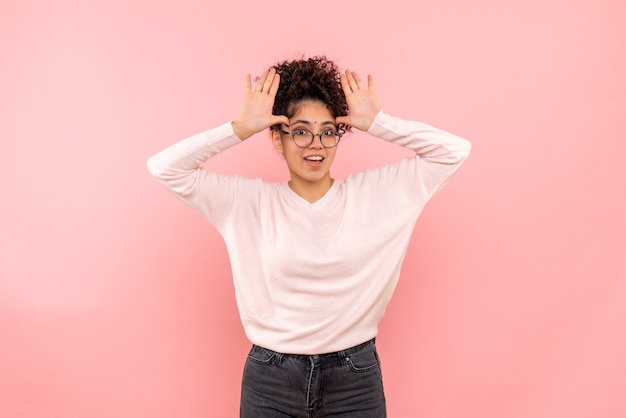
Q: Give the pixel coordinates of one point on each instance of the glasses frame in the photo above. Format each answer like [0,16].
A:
[292,134]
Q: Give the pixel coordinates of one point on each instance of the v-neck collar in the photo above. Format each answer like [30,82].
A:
[299,200]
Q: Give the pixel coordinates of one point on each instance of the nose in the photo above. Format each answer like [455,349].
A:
[317,144]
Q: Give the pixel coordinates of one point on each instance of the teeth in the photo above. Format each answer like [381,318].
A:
[314,158]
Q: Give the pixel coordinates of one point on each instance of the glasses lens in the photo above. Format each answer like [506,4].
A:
[301,137]
[329,138]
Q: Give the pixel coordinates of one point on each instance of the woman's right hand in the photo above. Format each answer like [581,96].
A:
[255,113]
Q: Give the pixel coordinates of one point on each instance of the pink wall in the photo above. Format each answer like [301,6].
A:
[116,300]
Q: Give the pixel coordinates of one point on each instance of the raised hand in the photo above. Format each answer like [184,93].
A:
[363,105]
[255,113]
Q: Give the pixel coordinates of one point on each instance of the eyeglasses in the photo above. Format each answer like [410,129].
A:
[303,138]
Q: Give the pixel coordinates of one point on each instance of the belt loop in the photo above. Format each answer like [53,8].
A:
[341,354]
[342,358]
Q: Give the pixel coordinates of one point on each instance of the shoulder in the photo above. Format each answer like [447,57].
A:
[397,172]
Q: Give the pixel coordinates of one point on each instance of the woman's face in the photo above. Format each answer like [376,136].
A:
[310,166]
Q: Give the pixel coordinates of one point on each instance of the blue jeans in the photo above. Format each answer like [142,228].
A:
[345,384]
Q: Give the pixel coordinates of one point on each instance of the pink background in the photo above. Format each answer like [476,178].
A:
[116,300]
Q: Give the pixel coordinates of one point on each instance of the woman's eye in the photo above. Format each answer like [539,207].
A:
[328,132]
[299,132]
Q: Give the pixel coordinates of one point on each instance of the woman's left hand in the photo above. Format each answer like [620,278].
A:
[363,105]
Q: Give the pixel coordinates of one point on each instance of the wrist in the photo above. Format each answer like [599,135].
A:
[240,130]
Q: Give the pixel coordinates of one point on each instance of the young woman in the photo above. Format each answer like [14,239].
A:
[315,259]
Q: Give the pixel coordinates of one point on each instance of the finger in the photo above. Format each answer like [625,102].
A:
[357,80]
[275,84]
[259,84]
[342,120]
[248,83]
[269,80]
[370,82]
[280,119]
[345,85]
[351,81]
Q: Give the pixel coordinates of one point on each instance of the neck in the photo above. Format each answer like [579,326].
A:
[311,192]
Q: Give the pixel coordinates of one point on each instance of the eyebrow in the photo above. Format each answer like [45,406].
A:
[306,122]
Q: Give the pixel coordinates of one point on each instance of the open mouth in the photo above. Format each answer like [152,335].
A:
[314,161]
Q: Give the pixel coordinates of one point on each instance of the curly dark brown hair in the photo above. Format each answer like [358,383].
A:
[315,78]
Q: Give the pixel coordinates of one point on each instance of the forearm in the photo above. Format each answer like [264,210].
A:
[177,165]
[431,144]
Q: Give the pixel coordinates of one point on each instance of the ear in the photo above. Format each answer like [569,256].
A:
[277,142]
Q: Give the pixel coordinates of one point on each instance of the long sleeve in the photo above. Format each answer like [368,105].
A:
[438,155]
[178,167]
[431,144]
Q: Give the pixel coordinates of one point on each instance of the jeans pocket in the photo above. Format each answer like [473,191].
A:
[261,355]
[363,361]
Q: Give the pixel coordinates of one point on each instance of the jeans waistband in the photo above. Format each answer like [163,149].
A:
[341,354]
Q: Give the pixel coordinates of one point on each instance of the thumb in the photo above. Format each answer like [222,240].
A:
[280,119]
[342,120]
